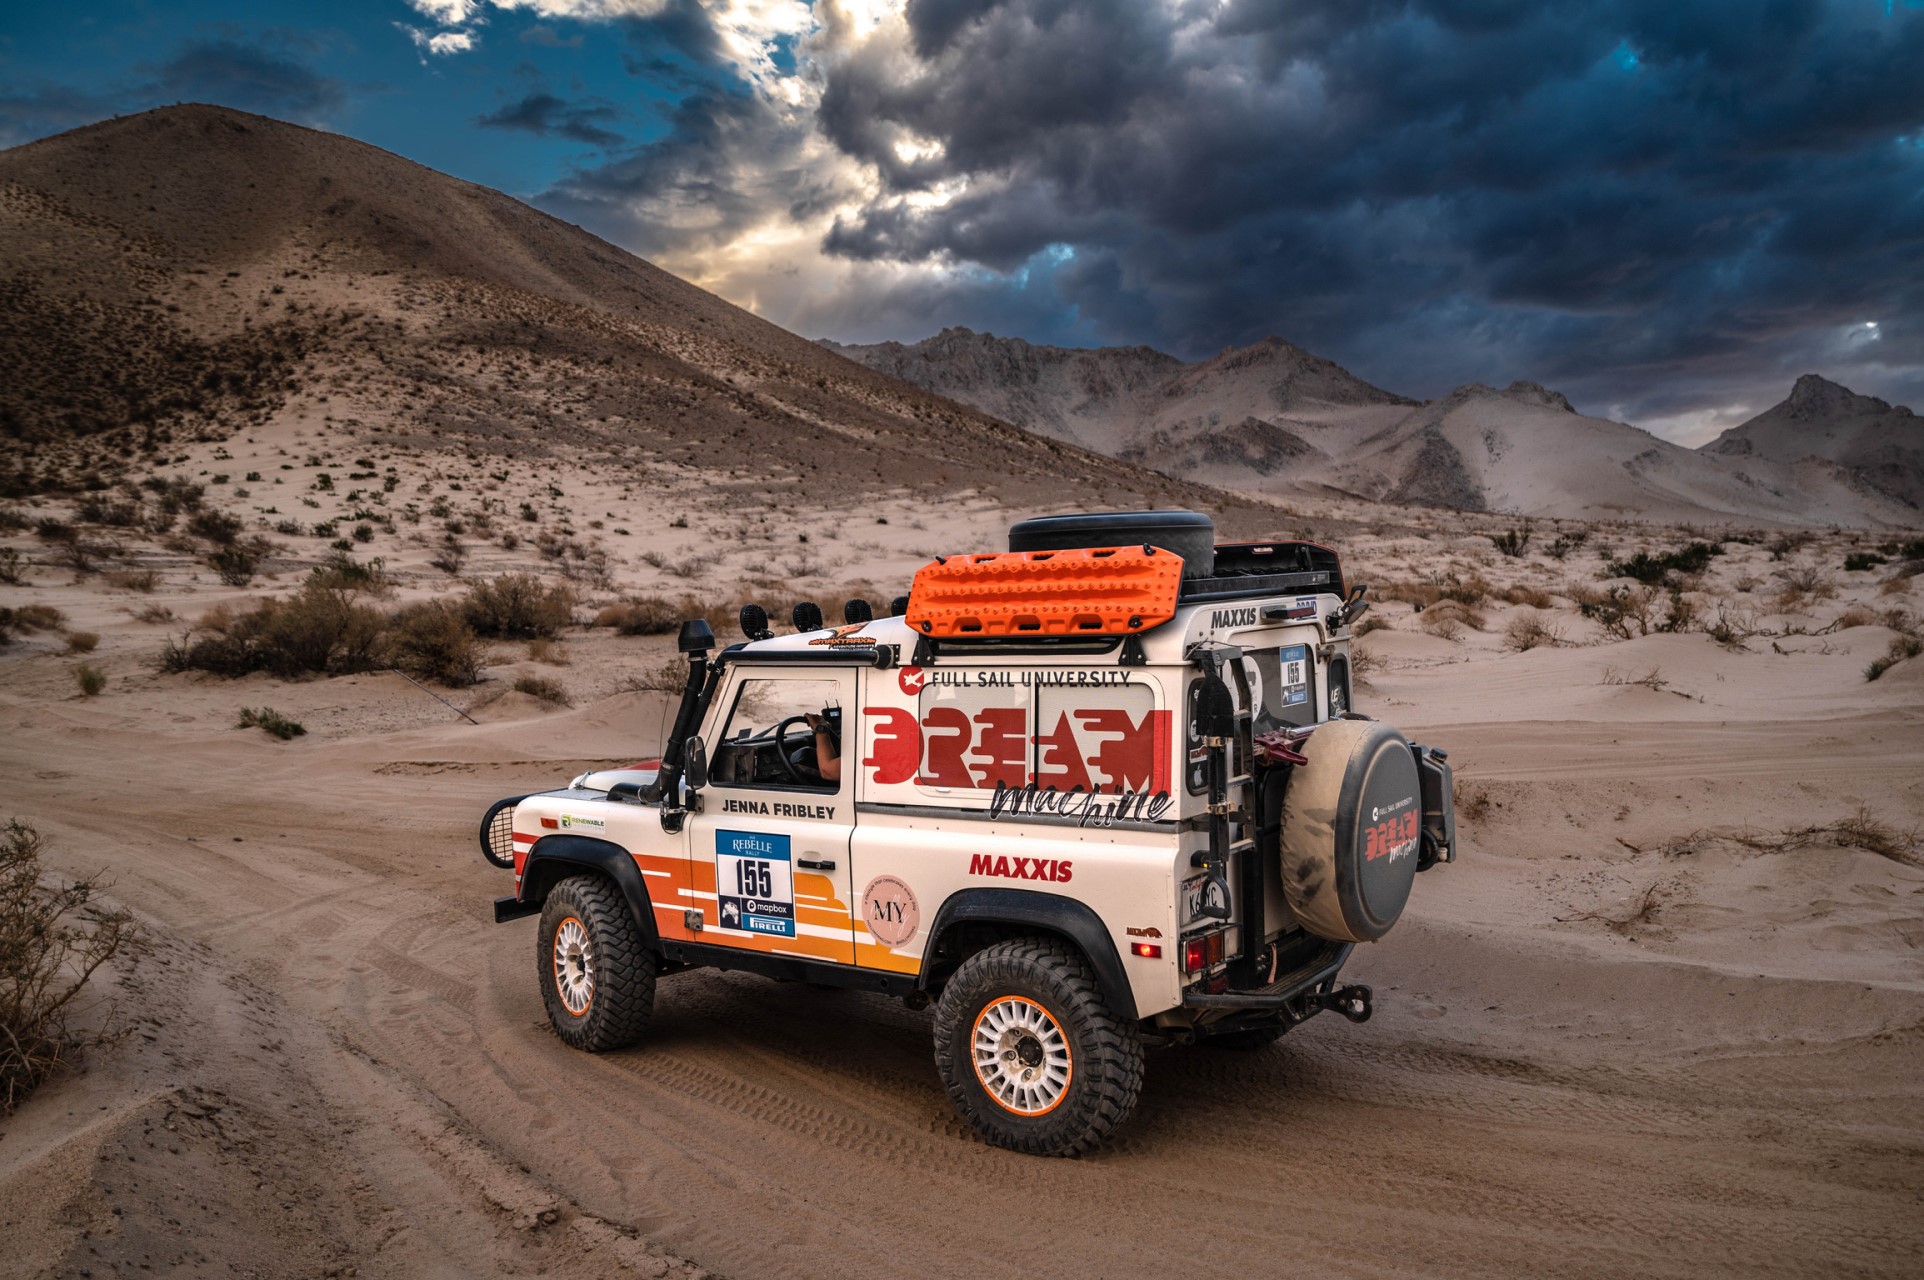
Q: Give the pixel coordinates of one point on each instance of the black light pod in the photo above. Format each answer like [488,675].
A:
[754,621]
[898,606]
[807,616]
[857,611]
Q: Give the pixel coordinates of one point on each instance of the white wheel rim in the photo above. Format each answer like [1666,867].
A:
[1021,1056]
[574,967]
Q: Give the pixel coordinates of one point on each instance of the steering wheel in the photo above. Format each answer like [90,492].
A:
[782,749]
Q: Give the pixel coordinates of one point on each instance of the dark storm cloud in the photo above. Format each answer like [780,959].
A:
[549,116]
[228,72]
[1619,193]
[249,77]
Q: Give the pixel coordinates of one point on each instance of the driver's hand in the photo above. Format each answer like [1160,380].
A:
[815,721]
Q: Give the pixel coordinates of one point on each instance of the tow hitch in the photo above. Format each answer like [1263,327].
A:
[1353,1002]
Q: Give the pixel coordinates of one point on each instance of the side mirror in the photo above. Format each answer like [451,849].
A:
[1215,708]
[694,764]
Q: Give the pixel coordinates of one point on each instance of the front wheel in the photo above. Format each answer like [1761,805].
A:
[1031,1055]
[597,975]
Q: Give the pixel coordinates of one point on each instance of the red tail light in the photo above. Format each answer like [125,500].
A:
[1202,952]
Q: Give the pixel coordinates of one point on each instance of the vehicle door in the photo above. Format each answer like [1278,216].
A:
[769,851]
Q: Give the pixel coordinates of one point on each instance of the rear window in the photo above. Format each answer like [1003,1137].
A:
[1282,690]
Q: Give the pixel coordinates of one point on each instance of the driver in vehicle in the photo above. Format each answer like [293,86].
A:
[828,753]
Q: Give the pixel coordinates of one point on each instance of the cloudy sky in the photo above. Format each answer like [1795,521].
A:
[1666,209]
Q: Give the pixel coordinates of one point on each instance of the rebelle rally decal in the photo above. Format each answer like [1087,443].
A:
[1083,745]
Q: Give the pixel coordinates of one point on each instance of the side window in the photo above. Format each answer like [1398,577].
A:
[768,742]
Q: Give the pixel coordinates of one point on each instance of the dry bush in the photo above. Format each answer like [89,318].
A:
[38,617]
[1640,909]
[1447,618]
[1651,679]
[669,677]
[1529,630]
[1624,611]
[236,563]
[1532,596]
[1901,647]
[270,722]
[142,580]
[1362,665]
[545,688]
[1368,625]
[218,527]
[53,939]
[518,606]
[10,567]
[1733,626]
[323,629]
[90,678]
[155,613]
[645,616]
[433,641]
[1855,616]
[549,652]
[1512,542]
[1465,591]
[82,641]
[449,556]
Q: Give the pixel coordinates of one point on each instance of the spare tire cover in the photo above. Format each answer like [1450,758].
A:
[1352,826]
[1189,534]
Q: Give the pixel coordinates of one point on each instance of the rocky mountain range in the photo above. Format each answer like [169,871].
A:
[1274,419]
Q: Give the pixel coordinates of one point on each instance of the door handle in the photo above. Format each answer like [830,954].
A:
[807,865]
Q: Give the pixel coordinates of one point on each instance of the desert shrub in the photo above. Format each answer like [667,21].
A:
[143,580]
[1860,561]
[38,617]
[1624,612]
[100,509]
[321,630]
[84,555]
[1447,618]
[1855,616]
[1464,591]
[53,938]
[90,678]
[449,556]
[270,722]
[48,529]
[545,688]
[1733,625]
[1367,625]
[155,613]
[1512,542]
[10,566]
[433,641]
[1362,665]
[238,562]
[1529,630]
[1657,570]
[549,652]
[1565,543]
[342,572]
[1901,647]
[669,677]
[646,616]
[1535,597]
[1788,543]
[518,606]
[82,641]
[217,527]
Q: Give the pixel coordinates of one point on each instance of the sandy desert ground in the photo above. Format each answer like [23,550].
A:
[1636,1030]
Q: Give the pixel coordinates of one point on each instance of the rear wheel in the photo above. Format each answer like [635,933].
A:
[597,975]
[1032,1056]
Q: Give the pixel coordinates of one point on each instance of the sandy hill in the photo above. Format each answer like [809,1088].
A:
[1276,420]
[1882,443]
[179,275]
[1254,408]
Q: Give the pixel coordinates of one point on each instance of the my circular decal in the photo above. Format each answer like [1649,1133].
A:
[911,679]
[889,910]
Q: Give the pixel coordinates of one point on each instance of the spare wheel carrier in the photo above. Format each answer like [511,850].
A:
[1349,841]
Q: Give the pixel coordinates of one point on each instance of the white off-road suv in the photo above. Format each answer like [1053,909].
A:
[1102,790]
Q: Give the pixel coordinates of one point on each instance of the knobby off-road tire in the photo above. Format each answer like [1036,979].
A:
[1031,1055]
[597,975]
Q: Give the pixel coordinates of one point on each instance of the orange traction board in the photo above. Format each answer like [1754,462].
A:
[1092,591]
